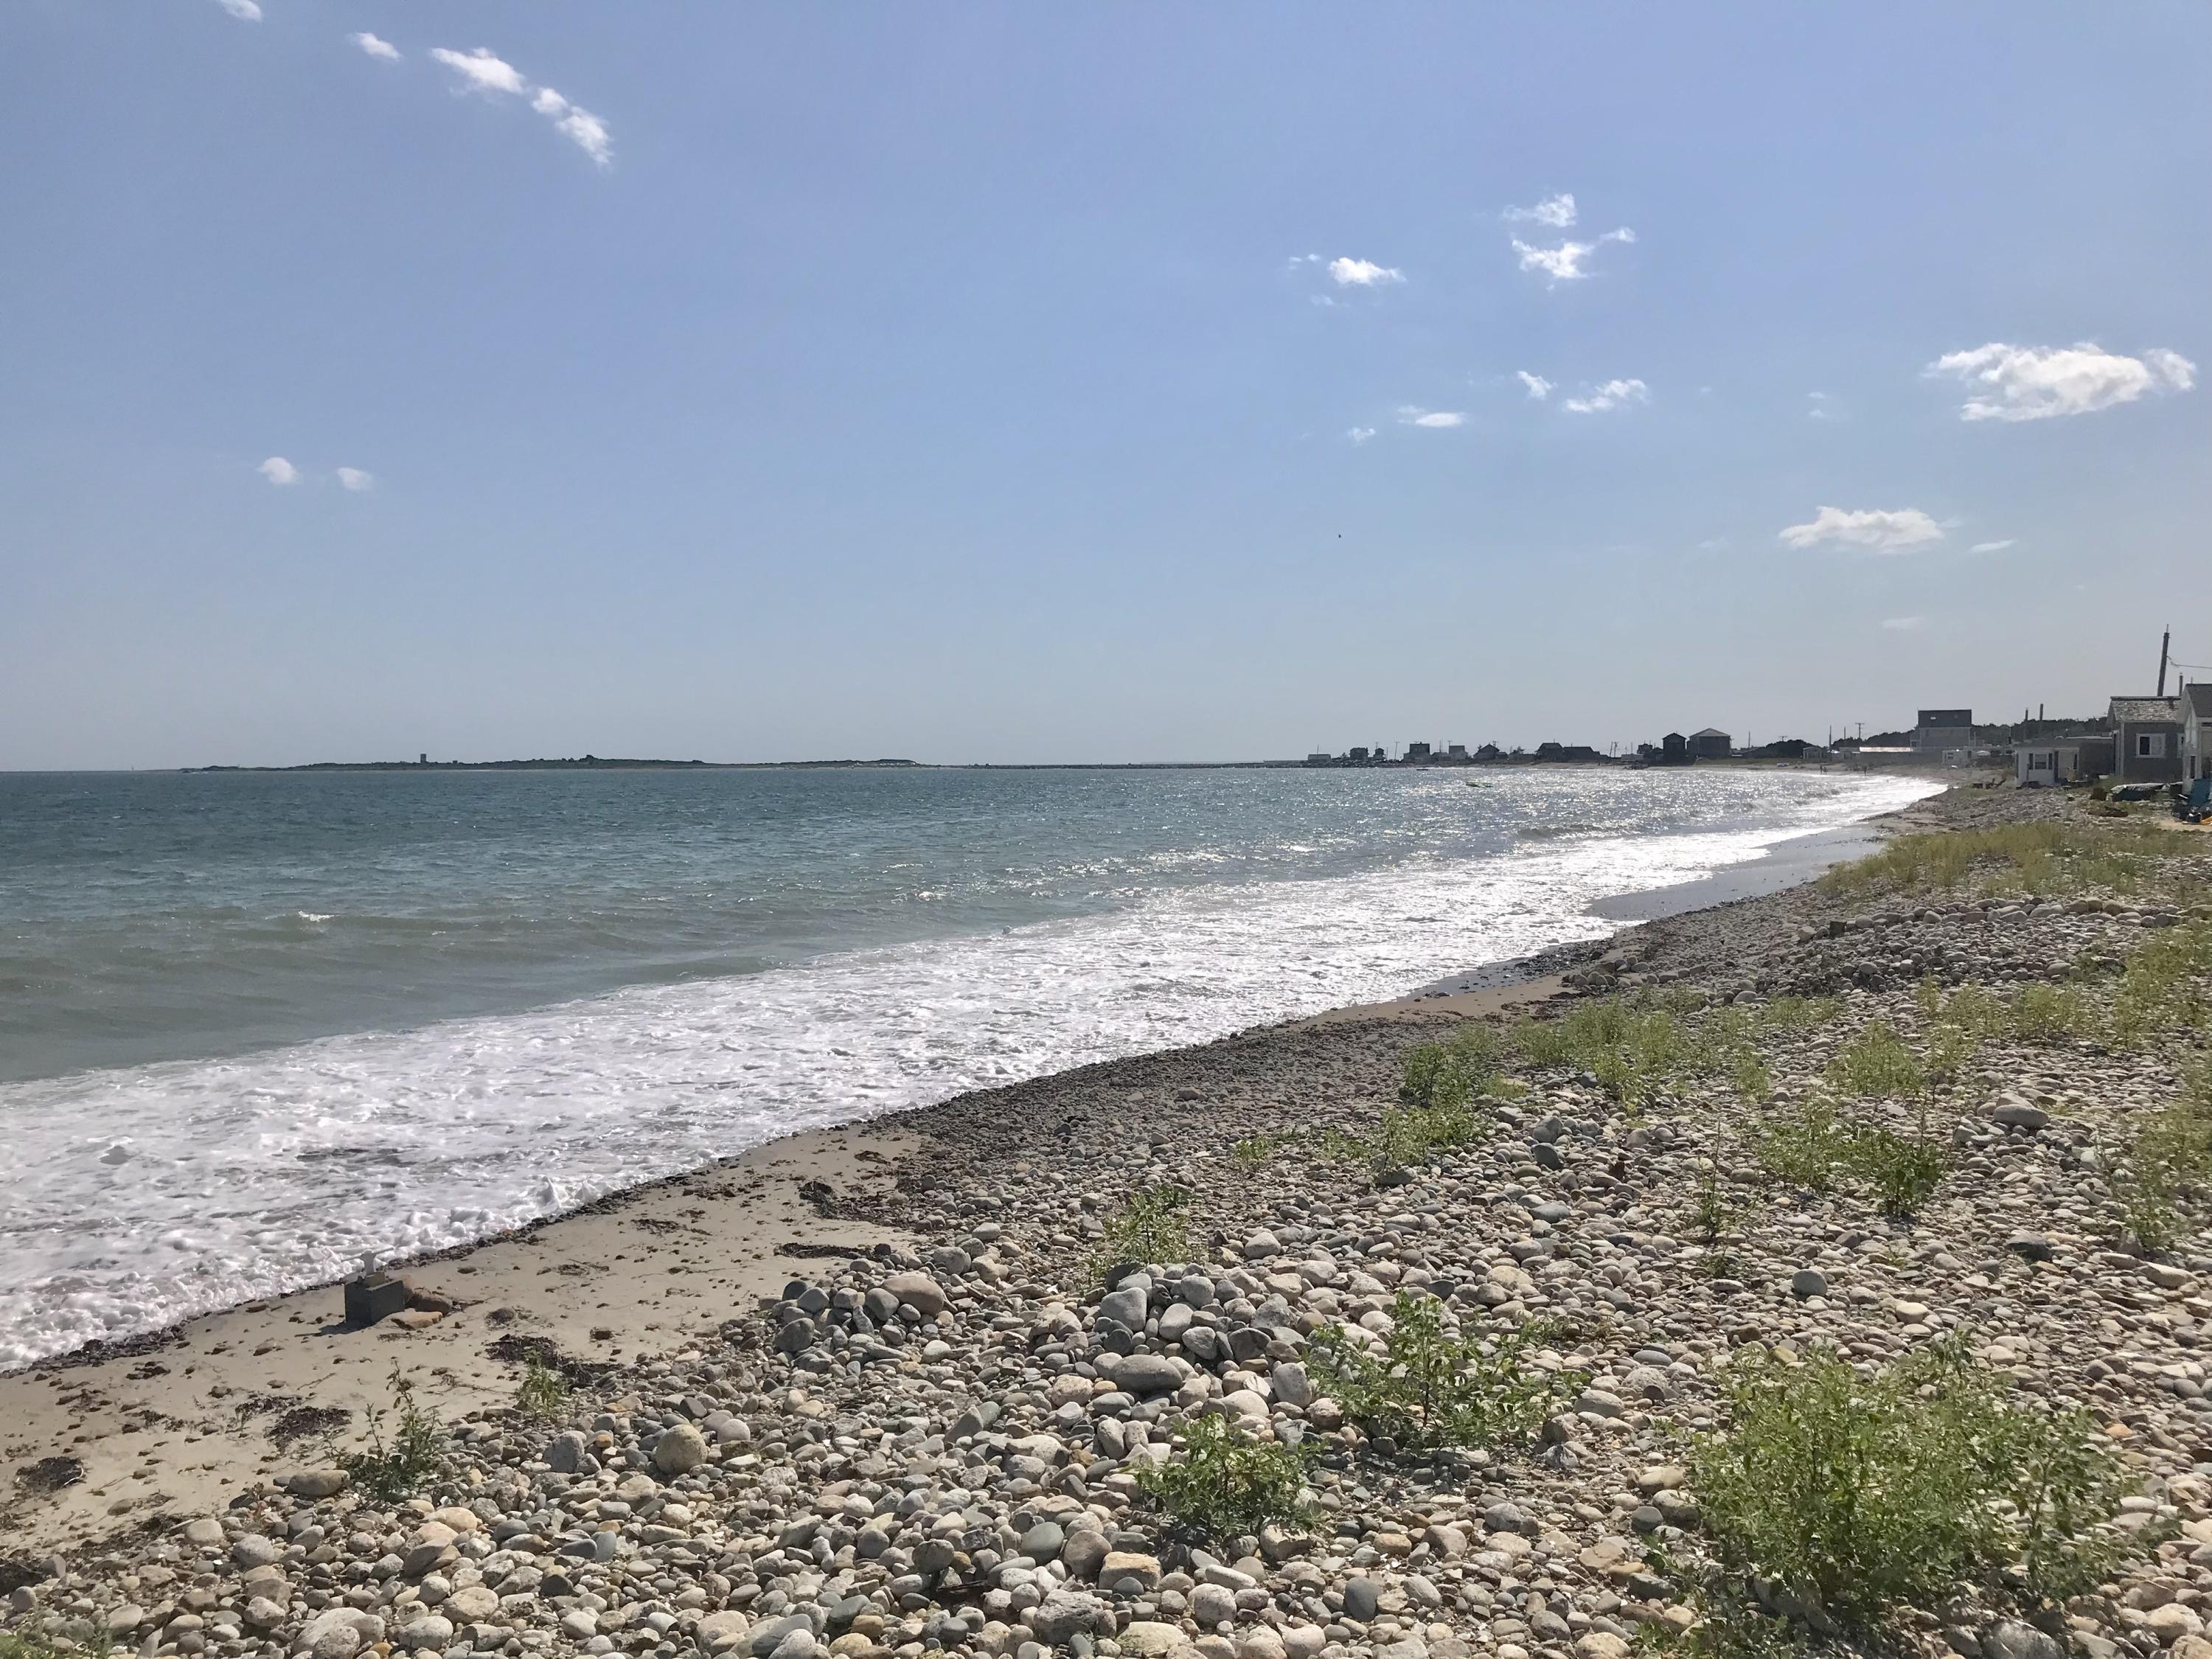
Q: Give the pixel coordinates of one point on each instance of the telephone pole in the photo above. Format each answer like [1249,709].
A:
[2164,640]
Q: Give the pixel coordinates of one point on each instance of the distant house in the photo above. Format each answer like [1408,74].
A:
[1456,752]
[2196,732]
[1941,729]
[2049,763]
[1711,744]
[2147,739]
[1416,752]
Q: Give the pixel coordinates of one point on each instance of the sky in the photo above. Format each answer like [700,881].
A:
[1138,381]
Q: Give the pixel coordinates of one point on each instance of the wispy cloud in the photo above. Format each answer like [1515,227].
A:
[1565,263]
[482,70]
[2035,383]
[1360,434]
[1611,394]
[375,46]
[1539,387]
[1557,211]
[278,470]
[357,480]
[1874,530]
[247,11]
[1362,273]
[1994,547]
[1414,415]
[1903,624]
[1821,406]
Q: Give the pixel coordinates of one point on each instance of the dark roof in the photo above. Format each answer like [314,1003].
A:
[1709,731]
[2145,710]
[2200,699]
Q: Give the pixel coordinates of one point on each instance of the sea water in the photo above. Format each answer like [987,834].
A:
[255,1028]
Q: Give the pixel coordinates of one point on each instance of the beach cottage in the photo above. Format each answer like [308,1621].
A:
[2146,739]
[2196,732]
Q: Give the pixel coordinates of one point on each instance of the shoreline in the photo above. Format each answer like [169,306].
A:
[869,1391]
[805,1191]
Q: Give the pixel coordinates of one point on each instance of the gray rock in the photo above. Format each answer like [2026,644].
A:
[254,1551]
[565,1452]
[314,1483]
[2019,1114]
[680,1450]
[1360,1597]
[880,1305]
[2011,1639]
[2035,1246]
[1807,1282]
[1065,1614]
[1504,1517]
[430,1631]
[1125,1307]
[1083,1552]
[763,1638]
[920,1292]
[1292,1385]
[1044,1541]
[1195,1290]
[1146,1375]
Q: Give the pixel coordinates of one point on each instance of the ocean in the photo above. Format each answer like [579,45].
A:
[256,1028]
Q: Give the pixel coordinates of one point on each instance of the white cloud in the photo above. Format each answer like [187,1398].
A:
[1362,273]
[1612,394]
[1874,529]
[375,48]
[1822,407]
[589,132]
[1557,211]
[1539,387]
[2034,383]
[1564,263]
[1903,624]
[357,480]
[1360,434]
[278,470]
[482,71]
[1414,415]
[247,11]
[1994,547]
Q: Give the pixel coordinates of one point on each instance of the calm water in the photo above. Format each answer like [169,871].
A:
[253,1028]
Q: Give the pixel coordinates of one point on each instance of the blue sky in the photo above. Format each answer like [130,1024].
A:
[987,382]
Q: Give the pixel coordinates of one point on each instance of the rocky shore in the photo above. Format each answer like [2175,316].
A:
[942,1441]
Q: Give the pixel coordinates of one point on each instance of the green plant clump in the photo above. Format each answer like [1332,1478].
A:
[1226,1485]
[1875,1063]
[542,1393]
[1434,1390]
[1818,1147]
[394,1473]
[1853,1497]
[1148,1228]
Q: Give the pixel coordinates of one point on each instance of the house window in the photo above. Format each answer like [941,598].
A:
[2150,746]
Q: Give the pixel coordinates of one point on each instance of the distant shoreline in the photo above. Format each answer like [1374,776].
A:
[598,764]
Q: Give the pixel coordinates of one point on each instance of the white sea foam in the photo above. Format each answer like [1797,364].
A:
[140,1197]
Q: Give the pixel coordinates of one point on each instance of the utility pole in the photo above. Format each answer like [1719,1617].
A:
[2164,640]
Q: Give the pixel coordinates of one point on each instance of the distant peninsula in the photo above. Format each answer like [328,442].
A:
[576,763]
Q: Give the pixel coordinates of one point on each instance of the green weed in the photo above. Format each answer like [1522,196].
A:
[1226,1485]
[392,1473]
[542,1393]
[1434,1390]
[1877,1063]
[1856,1497]
[1149,1227]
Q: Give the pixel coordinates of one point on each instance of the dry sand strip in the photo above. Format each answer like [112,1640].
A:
[180,1423]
